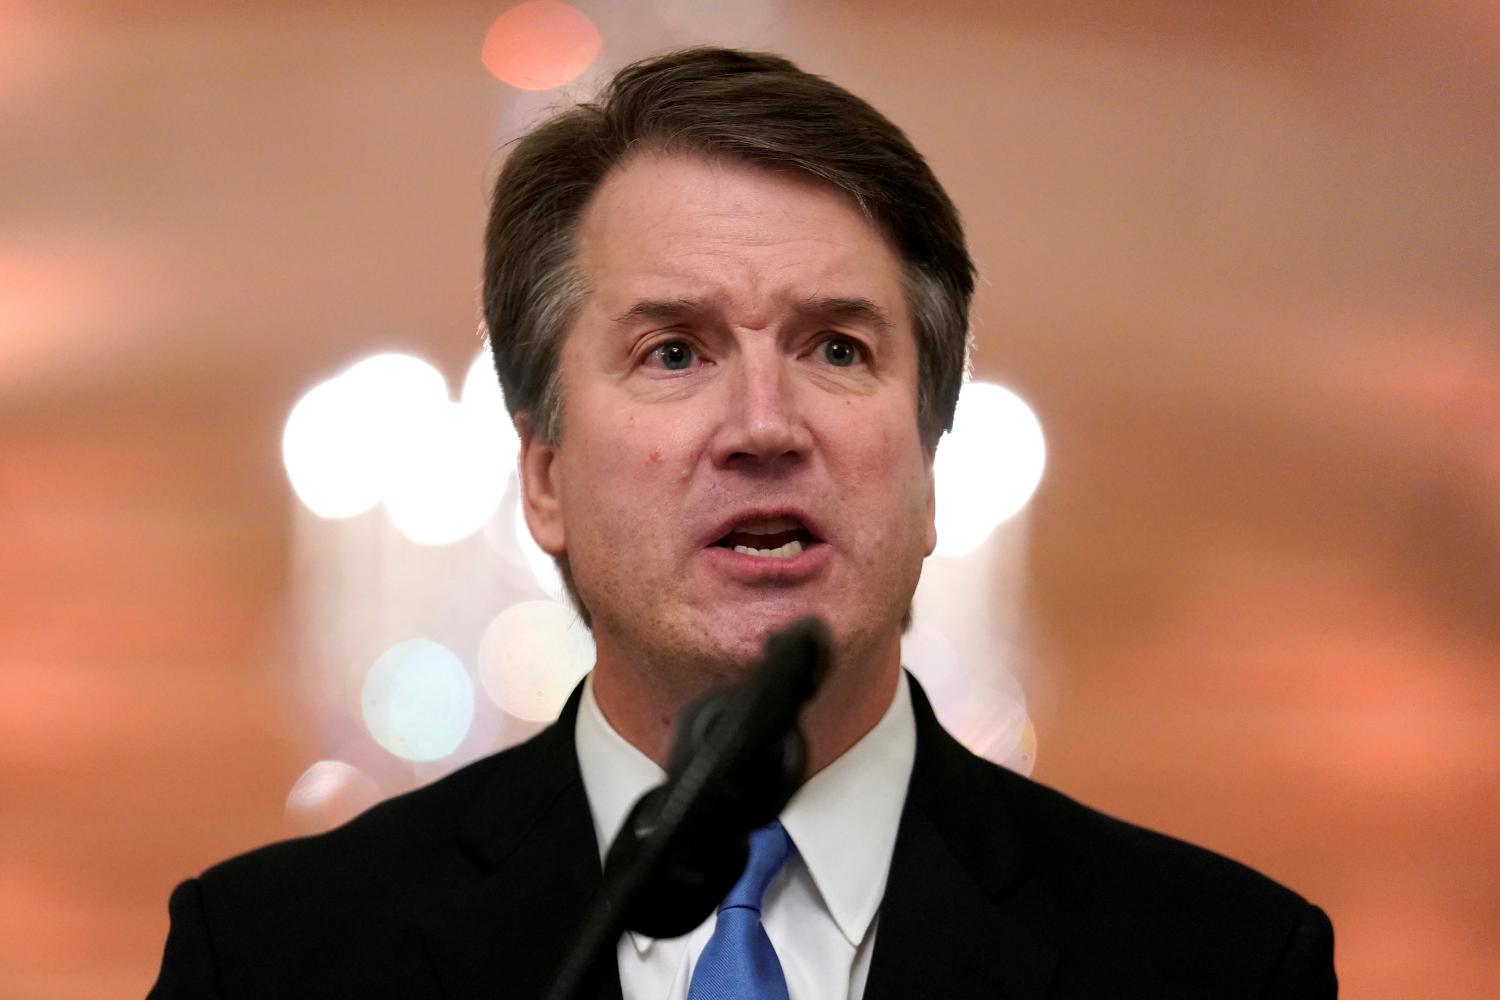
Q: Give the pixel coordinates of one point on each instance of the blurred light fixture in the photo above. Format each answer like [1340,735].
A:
[338,437]
[482,396]
[450,480]
[385,430]
[540,44]
[531,657]
[484,401]
[987,467]
[417,700]
[321,447]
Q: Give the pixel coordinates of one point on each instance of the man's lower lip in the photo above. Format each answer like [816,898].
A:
[744,564]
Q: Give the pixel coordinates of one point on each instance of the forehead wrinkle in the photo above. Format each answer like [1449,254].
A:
[704,262]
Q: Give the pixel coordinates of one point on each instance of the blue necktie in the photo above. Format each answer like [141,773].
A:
[738,963]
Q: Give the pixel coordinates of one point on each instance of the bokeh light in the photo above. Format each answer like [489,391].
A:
[483,400]
[927,652]
[327,794]
[417,700]
[986,712]
[387,385]
[340,436]
[385,429]
[987,467]
[540,44]
[531,657]
[331,470]
[482,396]
[451,480]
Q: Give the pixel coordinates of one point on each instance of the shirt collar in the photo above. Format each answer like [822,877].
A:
[843,820]
[615,774]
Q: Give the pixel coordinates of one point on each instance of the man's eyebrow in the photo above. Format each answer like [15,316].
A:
[847,310]
[844,309]
[660,310]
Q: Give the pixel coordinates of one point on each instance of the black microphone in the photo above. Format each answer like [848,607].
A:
[736,758]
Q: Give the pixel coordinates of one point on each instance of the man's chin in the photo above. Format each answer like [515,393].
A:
[708,644]
[728,647]
[742,635]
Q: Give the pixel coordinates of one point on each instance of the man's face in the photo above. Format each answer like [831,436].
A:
[739,440]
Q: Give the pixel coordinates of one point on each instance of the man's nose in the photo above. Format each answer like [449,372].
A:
[763,423]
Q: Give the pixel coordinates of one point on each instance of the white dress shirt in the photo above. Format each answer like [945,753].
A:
[820,912]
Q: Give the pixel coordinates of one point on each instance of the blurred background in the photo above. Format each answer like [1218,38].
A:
[1232,568]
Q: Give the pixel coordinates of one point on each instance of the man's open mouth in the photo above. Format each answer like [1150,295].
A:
[770,538]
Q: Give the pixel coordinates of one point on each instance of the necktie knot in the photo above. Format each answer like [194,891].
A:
[770,846]
[739,962]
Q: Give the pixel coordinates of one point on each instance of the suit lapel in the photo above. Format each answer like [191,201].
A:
[531,840]
[966,913]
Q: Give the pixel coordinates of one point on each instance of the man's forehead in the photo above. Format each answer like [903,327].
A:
[684,237]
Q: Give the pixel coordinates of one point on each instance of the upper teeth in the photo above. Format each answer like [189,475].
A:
[787,551]
[770,526]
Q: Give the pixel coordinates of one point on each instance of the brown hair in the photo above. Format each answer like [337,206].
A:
[752,106]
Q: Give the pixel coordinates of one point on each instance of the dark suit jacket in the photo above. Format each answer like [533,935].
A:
[999,887]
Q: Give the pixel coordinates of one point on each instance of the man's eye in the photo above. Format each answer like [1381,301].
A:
[840,352]
[673,355]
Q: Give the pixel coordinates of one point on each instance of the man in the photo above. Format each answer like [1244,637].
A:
[728,304]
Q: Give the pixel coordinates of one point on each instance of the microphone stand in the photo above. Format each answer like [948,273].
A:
[724,746]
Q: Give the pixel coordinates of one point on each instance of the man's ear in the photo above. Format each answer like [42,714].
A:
[541,497]
[931,500]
